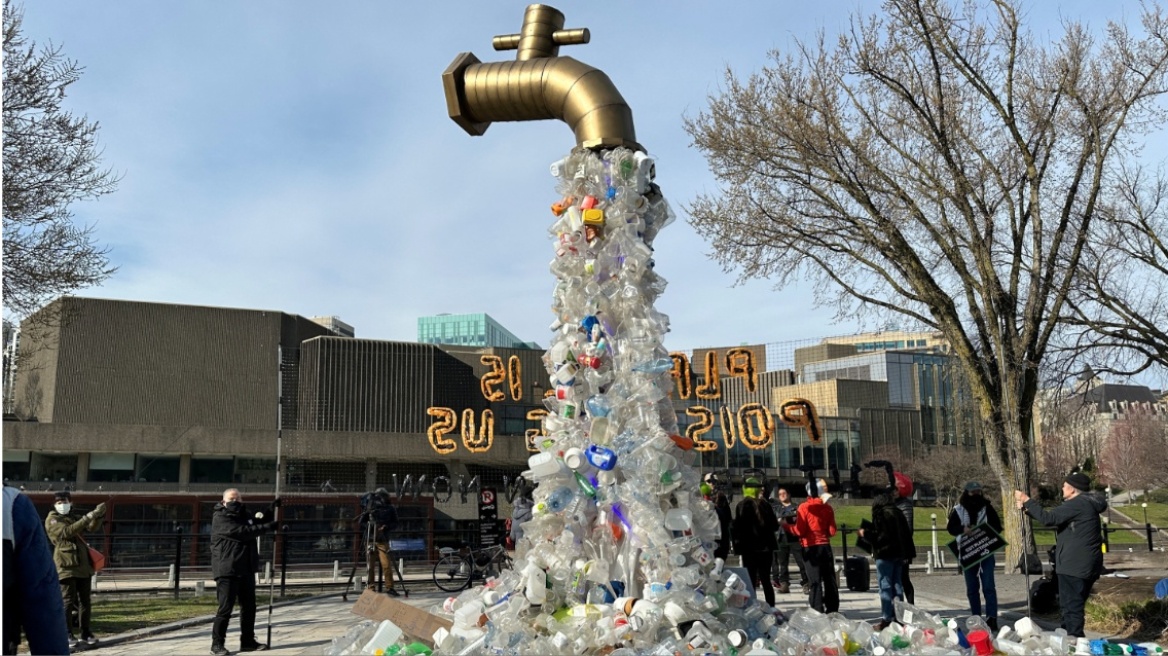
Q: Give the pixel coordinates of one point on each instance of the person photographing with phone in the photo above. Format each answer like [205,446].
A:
[64,526]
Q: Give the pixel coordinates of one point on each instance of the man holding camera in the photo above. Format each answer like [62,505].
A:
[377,521]
[235,559]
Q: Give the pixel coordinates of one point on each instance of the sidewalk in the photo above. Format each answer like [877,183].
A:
[306,627]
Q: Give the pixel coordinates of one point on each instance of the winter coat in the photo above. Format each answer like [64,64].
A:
[1078,547]
[782,513]
[70,554]
[754,526]
[972,510]
[889,535]
[815,523]
[32,595]
[905,506]
[233,544]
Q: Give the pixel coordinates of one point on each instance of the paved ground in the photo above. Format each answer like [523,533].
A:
[307,627]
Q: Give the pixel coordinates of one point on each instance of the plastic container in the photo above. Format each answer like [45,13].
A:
[387,634]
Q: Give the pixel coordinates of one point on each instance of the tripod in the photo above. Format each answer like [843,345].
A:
[369,549]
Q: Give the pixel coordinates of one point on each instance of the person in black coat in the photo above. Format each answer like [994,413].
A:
[235,559]
[972,510]
[1078,552]
[892,546]
[754,537]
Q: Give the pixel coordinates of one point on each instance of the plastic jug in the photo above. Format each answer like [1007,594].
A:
[387,634]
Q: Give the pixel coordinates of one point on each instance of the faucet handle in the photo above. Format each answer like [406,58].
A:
[542,34]
[577,36]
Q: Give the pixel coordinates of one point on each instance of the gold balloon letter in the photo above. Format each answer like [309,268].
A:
[800,412]
[681,373]
[496,376]
[486,435]
[705,421]
[711,387]
[740,362]
[446,422]
[757,434]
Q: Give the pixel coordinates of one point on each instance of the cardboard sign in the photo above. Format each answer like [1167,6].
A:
[980,543]
[414,622]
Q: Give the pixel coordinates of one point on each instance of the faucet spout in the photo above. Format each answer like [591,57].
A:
[540,85]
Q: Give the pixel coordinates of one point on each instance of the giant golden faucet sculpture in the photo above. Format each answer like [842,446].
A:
[539,85]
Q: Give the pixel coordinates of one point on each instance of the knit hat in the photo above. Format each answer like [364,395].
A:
[1079,481]
[973,486]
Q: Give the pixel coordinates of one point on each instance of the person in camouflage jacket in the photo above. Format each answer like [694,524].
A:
[64,527]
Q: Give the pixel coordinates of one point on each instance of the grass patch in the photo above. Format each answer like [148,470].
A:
[1131,620]
[112,616]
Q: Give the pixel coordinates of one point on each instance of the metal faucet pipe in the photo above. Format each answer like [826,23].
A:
[539,85]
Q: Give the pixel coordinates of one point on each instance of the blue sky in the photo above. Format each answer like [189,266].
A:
[297,156]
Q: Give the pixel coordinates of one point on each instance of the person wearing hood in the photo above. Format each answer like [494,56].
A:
[892,545]
[235,559]
[64,526]
[972,510]
[1078,550]
[814,525]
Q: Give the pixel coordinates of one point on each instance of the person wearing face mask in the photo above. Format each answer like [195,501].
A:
[234,562]
[64,527]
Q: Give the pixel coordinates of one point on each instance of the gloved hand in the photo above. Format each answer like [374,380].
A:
[99,511]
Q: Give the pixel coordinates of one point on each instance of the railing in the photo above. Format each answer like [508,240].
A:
[179,556]
[937,553]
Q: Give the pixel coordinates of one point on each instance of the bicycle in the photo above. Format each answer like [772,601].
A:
[458,569]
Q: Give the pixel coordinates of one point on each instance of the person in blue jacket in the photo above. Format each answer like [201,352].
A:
[32,593]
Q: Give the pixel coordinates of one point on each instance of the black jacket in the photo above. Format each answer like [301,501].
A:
[889,535]
[384,518]
[1078,547]
[754,526]
[973,504]
[233,544]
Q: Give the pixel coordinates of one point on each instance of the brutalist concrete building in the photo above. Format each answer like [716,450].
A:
[187,399]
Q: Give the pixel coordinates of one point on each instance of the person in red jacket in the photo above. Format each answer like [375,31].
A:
[814,525]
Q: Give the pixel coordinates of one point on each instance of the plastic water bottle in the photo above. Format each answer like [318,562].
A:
[559,499]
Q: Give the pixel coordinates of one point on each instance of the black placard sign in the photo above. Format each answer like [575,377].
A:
[980,543]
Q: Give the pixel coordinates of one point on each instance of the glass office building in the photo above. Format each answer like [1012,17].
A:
[466,330]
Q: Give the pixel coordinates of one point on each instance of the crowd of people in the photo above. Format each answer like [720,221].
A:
[766,532]
[48,571]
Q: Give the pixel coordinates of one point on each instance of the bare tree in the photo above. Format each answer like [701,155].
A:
[940,163]
[948,469]
[51,159]
[1121,300]
[1135,456]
